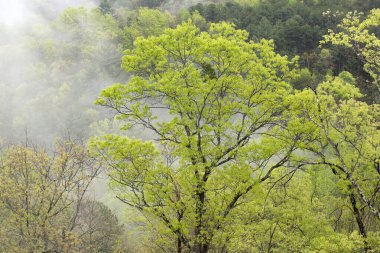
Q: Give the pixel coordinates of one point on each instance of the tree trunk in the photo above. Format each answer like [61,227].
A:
[201,247]
[179,245]
[359,221]
[202,238]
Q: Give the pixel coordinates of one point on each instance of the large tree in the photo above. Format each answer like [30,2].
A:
[213,105]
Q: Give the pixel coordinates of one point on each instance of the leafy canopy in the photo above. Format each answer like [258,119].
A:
[213,103]
[360,36]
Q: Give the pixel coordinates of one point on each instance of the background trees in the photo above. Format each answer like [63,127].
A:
[43,201]
[98,229]
[298,26]
[62,63]
[361,36]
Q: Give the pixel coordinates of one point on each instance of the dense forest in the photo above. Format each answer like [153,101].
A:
[190,126]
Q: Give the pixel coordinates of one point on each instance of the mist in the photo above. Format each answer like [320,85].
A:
[19,12]
[48,84]
[55,58]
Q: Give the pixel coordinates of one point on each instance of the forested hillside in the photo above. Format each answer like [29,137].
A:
[190,126]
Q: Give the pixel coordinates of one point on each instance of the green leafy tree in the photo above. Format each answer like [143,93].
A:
[145,22]
[344,135]
[152,3]
[213,104]
[105,7]
[296,211]
[362,37]
[98,228]
[41,196]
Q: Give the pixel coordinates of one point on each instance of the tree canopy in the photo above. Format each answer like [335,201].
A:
[362,36]
[223,100]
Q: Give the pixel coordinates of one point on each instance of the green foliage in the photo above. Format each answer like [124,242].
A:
[211,148]
[196,19]
[63,62]
[151,3]
[42,202]
[357,34]
[343,134]
[296,28]
[296,215]
[105,7]
[219,93]
[145,22]
[101,229]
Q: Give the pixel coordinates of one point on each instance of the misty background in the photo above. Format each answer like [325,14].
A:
[55,58]
[51,70]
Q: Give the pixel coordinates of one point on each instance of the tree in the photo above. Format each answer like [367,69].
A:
[344,135]
[145,22]
[151,3]
[41,196]
[98,228]
[296,211]
[213,104]
[105,7]
[63,62]
[359,36]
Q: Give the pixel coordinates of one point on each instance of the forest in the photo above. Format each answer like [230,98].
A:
[190,126]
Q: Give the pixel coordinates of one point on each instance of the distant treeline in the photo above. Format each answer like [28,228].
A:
[297,27]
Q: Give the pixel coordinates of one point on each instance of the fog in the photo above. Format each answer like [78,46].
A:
[19,12]
[54,62]
[13,13]
[48,79]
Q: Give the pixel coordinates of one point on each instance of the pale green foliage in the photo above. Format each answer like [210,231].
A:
[145,22]
[63,64]
[98,229]
[41,198]
[208,98]
[196,18]
[356,33]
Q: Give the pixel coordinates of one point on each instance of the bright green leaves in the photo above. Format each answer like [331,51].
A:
[357,34]
[343,134]
[212,77]
[341,87]
[228,31]
[208,98]
[227,127]
[134,162]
